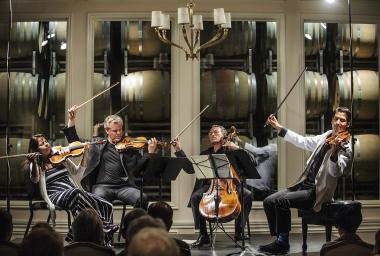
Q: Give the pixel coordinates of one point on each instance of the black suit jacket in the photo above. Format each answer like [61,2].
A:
[230,155]
[130,159]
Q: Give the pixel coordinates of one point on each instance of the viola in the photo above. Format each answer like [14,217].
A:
[135,143]
[76,148]
[221,201]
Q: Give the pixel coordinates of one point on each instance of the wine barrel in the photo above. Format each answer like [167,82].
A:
[19,146]
[102,104]
[232,95]
[139,39]
[102,34]
[366,93]
[59,29]
[317,94]
[24,39]
[55,103]
[367,158]
[271,39]
[363,40]
[315,38]
[148,95]
[23,94]
[241,37]
[269,94]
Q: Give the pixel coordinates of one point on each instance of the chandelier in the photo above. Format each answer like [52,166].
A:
[191,25]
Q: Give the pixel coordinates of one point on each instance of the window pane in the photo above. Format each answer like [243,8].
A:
[37,91]
[130,53]
[328,85]
[239,82]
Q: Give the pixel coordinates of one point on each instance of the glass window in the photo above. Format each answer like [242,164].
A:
[239,82]
[328,85]
[37,91]
[130,53]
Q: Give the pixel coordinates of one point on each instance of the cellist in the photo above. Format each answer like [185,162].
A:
[217,136]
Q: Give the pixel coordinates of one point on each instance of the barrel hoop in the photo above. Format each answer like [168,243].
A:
[308,82]
[140,37]
[360,94]
[237,94]
[141,94]
[213,92]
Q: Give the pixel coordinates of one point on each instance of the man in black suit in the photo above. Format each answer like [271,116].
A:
[217,136]
[110,173]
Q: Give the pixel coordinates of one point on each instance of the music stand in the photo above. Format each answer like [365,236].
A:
[213,167]
[159,168]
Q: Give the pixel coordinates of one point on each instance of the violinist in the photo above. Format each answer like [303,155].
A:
[59,184]
[330,159]
[217,135]
[110,173]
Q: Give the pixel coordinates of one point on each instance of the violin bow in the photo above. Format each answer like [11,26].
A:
[100,124]
[192,121]
[97,95]
[287,95]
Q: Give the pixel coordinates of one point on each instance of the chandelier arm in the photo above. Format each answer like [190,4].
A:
[184,32]
[165,40]
[219,37]
[196,38]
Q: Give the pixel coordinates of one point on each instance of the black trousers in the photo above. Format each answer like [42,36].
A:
[129,195]
[277,207]
[200,222]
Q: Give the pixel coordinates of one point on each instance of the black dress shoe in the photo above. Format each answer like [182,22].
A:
[276,247]
[202,239]
[239,237]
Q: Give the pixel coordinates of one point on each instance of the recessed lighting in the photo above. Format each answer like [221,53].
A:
[308,36]
[330,1]
[323,25]
[63,46]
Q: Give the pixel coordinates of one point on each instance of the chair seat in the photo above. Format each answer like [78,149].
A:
[325,217]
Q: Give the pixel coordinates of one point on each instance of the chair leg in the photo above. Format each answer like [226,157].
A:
[29,221]
[48,218]
[328,229]
[121,223]
[210,227]
[248,228]
[304,235]
[68,219]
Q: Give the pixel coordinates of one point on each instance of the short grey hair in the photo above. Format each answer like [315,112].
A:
[112,119]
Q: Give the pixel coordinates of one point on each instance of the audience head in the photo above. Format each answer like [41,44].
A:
[6,225]
[348,219]
[42,242]
[163,211]
[153,242]
[129,217]
[43,225]
[87,227]
[145,221]
[376,248]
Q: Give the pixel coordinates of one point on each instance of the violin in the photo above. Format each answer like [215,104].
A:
[76,148]
[343,136]
[135,143]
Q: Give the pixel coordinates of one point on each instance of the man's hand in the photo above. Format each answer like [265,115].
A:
[152,145]
[72,112]
[176,143]
[272,120]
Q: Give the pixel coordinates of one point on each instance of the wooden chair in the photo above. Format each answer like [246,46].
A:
[120,203]
[326,217]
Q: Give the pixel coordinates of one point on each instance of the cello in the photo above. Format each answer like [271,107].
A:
[221,202]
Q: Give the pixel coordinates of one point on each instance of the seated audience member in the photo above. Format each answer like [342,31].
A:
[87,227]
[376,248]
[348,220]
[43,225]
[6,228]
[164,211]
[153,242]
[42,242]
[140,223]
[128,218]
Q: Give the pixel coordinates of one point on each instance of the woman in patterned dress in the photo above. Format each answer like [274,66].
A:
[60,185]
